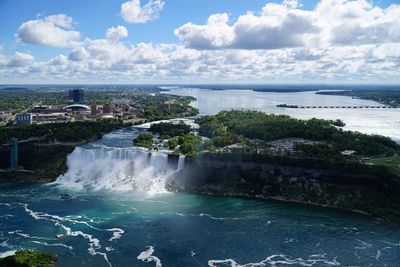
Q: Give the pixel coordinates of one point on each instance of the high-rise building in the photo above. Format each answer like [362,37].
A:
[24,118]
[107,108]
[93,108]
[76,95]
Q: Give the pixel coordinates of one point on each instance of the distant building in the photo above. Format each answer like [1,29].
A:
[76,107]
[107,108]
[76,95]
[93,108]
[51,117]
[348,152]
[14,153]
[24,118]
[39,108]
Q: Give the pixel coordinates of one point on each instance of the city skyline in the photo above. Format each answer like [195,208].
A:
[174,41]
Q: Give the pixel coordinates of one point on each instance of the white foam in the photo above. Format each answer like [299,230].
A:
[210,216]
[147,256]
[94,243]
[274,260]
[117,233]
[6,216]
[20,233]
[7,253]
[52,244]
[121,169]
[4,244]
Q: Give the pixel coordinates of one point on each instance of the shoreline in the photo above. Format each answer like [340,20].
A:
[360,213]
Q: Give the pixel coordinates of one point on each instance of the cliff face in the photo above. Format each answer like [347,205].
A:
[369,194]
[39,163]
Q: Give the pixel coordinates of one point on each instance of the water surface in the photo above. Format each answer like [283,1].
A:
[109,223]
[370,121]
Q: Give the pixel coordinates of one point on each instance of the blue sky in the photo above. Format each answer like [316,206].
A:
[183,24]
[94,17]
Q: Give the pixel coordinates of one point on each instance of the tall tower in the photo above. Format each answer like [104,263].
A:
[14,153]
[76,96]
[93,108]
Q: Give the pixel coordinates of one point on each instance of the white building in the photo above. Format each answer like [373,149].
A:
[24,118]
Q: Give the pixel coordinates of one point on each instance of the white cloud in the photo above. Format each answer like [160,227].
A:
[336,41]
[116,33]
[19,60]
[78,54]
[134,12]
[55,30]
[114,61]
[59,60]
[215,34]
[332,22]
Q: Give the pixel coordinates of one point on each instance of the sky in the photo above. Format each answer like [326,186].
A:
[199,41]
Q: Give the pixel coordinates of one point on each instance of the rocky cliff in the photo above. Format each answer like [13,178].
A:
[369,194]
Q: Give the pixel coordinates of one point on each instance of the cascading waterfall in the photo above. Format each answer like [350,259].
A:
[122,169]
[181,162]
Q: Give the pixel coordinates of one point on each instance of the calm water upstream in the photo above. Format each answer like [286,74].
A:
[371,121]
[120,215]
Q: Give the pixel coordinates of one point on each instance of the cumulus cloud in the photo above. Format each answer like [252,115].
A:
[59,60]
[115,61]
[78,54]
[338,40]
[134,12]
[116,33]
[20,60]
[55,30]
[331,22]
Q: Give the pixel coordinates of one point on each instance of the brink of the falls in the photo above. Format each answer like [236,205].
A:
[122,169]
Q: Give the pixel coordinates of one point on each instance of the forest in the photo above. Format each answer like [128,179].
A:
[387,97]
[230,127]
[62,132]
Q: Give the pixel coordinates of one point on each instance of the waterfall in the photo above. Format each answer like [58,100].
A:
[113,168]
[181,162]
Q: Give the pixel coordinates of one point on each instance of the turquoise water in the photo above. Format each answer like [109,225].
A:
[187,230]
[118,217]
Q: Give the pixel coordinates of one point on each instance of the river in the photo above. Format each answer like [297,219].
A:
[120,215]
[370,121]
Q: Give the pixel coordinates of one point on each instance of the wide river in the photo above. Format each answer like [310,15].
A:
[369,120]
[120,215]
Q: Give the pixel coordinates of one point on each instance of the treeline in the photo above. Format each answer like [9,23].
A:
[179,138]
[163,107]
[19,100]
[63,132]
[387,97]
[167,130]
[229,127]
[144,140]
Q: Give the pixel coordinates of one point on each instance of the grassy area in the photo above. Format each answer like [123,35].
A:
[393,163]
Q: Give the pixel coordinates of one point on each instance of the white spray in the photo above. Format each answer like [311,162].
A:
[122,169]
